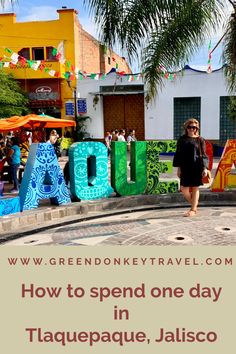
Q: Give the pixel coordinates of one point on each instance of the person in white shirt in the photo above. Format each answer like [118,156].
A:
[131,136]
[107,139]
[53,139]
[121,136]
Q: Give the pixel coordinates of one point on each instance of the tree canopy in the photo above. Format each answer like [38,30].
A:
[165,33]
[13,100]
[3,2]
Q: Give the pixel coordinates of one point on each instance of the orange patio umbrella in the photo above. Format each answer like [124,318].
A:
[34,121]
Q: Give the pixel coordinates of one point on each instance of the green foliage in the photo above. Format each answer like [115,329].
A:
[4,2]
[13,101]
[163,32]
[232,107]
[80,127]
[230,53]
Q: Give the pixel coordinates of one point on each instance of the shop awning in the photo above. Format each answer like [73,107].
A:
[34,121]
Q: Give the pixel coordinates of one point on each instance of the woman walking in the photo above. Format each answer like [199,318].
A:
[13,158]
[192,167]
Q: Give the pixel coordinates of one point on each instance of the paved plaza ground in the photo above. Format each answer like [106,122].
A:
[134,220]
[211,226]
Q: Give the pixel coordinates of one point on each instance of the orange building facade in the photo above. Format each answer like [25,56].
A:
[46,57]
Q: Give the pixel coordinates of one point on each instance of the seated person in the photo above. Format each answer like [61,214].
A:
[2,163]
[24,147]
[53,139]
[2,147]
[66,142]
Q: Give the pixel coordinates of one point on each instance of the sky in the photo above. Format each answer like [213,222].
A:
[36,10]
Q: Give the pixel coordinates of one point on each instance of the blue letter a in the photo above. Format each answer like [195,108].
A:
[43,178]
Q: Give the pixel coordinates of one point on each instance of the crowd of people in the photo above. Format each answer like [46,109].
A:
[119,135]
[14,151]
[190,157]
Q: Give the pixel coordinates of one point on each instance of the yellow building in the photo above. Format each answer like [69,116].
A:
[46,57]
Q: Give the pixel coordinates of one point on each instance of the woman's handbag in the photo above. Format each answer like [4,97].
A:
[207,178]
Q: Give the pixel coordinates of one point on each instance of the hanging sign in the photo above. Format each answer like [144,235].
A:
[82,105]
[69,107]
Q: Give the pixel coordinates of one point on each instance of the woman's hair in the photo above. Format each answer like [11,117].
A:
[189,122]
[54,132]
[15,141]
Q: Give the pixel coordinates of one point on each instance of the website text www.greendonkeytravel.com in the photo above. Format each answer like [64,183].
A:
[119,261]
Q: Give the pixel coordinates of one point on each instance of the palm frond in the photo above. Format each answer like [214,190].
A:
[230,53]
[107,14]
[174,43]
[169,31]
[4,2]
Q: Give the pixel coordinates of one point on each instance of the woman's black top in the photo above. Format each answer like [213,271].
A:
[187,157]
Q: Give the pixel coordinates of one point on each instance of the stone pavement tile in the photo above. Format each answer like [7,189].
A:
[51,215]
[212,226]
[92,241]
[33,240]
[208,232]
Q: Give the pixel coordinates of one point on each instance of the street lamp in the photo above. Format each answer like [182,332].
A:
[75,103]
[73,89]
[74,96]
[79,120]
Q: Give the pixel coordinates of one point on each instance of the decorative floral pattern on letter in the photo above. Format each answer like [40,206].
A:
[43,178]
[155,167]
[89,170]
[119,180]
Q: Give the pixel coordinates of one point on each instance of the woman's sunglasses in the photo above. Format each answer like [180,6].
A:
[192,127]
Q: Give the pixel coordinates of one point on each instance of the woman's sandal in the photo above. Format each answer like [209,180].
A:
[191,213]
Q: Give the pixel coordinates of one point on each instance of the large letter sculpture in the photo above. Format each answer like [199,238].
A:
[223,177]
[43,178]
[155,167]
[119,168]
[9,206]
[89,171]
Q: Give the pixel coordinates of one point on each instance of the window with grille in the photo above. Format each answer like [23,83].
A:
[227,124]
[50,54]
[38,53]
[185,108]
[25,53]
